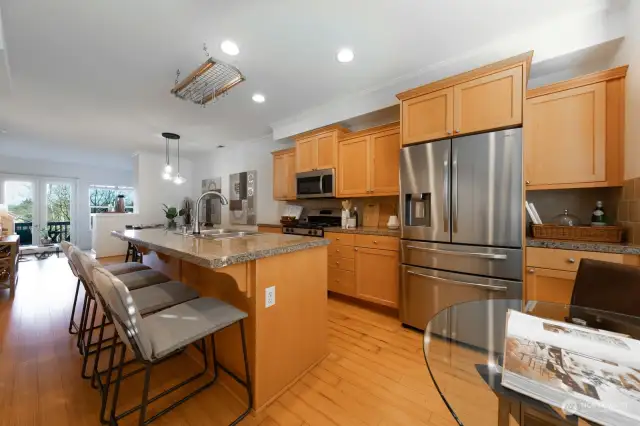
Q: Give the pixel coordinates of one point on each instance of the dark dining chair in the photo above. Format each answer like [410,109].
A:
[607,286]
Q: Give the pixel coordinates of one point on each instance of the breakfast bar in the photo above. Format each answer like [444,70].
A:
[280,281]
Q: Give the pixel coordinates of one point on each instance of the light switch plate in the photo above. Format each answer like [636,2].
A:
[269,296]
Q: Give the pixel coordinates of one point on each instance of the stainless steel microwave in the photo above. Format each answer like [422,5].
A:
[316,184]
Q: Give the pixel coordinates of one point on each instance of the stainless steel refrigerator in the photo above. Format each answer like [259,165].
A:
[461,216]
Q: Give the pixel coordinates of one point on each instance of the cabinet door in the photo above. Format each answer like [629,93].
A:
[290,175]
[353,172]
[565,136]
[488,102]
[384,165]
[306,155]
[279,177]
[549,285]
[427,117]
[327,146]
[377,274]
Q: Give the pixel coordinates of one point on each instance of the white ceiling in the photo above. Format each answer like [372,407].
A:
[97,74]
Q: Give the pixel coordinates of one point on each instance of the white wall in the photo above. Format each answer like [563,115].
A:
[630,54]
[85,174]
[240,157]
[152,191]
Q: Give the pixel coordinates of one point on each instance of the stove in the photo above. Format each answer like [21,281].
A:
[314,223]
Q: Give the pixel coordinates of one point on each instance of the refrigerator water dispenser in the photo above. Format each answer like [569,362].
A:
[418,209]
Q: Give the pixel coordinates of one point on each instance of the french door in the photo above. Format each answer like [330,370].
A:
[43,207]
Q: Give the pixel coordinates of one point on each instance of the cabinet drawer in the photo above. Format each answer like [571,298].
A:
[566,260]
[378,242]
[340,239]
[343,282]
[337,250]
[342,263]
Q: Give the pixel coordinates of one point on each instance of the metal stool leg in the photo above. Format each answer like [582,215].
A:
[248,378]
[72,324]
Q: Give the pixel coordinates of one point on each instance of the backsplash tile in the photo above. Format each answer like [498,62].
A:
[629,210]
[579,202]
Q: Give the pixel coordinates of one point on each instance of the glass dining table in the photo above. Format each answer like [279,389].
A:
[464,351]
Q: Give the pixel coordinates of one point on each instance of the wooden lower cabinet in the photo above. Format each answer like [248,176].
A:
[377,273]
[366,267]
[549,285]
[270,229]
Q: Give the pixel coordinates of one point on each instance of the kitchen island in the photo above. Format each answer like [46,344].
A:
[284,340]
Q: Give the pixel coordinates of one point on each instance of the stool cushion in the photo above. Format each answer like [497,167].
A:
[125,268]
[139,279]
[180,325]
[161,296]
[127,318]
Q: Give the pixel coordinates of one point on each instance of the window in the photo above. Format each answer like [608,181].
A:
[102,198]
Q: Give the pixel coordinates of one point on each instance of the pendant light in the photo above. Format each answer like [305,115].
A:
[166,172]
[179,180]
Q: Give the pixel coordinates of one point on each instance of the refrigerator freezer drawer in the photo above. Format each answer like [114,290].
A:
[489,261]
[425,292]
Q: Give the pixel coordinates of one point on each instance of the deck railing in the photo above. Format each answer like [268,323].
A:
[57,231]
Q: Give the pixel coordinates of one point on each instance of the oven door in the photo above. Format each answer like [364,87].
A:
[316,184]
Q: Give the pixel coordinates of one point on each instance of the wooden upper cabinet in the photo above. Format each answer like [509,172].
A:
[368,162]
[384,157]
[428,117]
[377,276]
[327,151]
[484,99]
[284,174]
[489,102]
[290,164]
[353,167]
[279,177]
[574,132]
[306,155]
[318,149]
[566,133]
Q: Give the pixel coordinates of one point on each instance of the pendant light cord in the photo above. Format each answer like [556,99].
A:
[178,156]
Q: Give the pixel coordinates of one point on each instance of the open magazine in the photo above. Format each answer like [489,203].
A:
[591,373]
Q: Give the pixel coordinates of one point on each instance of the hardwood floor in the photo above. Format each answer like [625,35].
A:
[375,373]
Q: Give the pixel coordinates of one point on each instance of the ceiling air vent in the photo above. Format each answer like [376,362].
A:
[210,81]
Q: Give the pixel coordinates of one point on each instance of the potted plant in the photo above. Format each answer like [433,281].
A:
[171,213]
[45,239]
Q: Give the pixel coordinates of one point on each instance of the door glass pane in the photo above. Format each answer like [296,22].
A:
[58,211]
[18,196]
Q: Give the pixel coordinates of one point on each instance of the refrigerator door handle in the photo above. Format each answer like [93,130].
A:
[454,190]
[485,286]
[461,253]
[445,192]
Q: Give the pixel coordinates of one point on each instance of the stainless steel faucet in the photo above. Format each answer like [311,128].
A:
[223,200]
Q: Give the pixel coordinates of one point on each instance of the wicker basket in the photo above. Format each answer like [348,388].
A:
[601,234]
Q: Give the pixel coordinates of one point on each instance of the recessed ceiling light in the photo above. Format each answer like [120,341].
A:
[220,146]
[258,98]
[345,55]
[229,47]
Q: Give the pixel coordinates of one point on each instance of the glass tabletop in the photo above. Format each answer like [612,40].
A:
[464,351]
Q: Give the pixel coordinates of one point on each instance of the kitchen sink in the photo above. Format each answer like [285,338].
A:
[219,234]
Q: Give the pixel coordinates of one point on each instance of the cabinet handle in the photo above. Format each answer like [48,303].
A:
[527,182]
[338,250]
[375,242]
[532,271]
[356,249]
[457,130]
[571,260]
[448,132]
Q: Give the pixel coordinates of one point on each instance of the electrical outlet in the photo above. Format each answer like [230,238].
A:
[269,296]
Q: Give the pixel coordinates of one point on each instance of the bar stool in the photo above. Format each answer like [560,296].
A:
[116,269]
[134,280]
[148,299]
[159,336]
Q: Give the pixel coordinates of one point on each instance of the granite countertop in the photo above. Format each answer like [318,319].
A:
[366,231]
[219,253]
[618,248]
